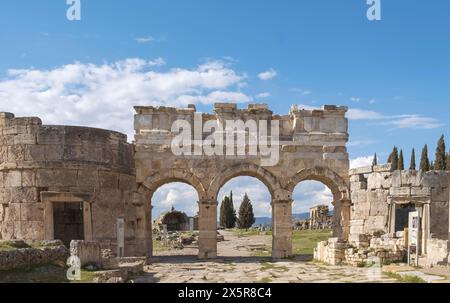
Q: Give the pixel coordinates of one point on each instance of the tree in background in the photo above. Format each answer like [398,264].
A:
[227,212]
[412,163]
[375,160]
[401,162]
[246,216]
[393,158]
[440,161]
[424,161]
[448,161]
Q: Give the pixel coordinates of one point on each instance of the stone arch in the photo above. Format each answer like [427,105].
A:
[157,180]
[341,195]
[335,182]
[244,169]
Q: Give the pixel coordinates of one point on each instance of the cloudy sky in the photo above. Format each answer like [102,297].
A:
[393,74]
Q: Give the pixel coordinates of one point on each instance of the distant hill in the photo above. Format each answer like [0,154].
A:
[267,221]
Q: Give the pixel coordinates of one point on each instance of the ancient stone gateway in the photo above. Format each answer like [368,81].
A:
[312,147]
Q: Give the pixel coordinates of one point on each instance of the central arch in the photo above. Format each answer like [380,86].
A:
[241,170]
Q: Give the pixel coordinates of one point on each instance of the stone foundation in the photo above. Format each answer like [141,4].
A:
[25,257]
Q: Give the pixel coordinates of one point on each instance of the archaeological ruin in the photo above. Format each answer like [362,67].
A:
[78,183]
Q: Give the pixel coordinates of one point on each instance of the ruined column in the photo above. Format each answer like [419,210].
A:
[207,222]
[282,229]
[345,218]
[425,228]
[337,226]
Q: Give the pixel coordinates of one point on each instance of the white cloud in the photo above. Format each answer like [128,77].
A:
[263,96]
[104,95]
[179,195]
[145,39]
[361,162]
[308,194]
[267,75]
[355,99]
[360,143]
[396,121]
[301,91]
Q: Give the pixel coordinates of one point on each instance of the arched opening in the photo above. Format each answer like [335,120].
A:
[331,186]
[175,220]
[245,238]
[312,216]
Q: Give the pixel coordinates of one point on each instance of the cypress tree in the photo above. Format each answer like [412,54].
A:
[424,161]
[412,165]
[448,161]
[246,216]
[227,213]
[440,161]
[375,160]
[393,158]
[233,217]
[401,162]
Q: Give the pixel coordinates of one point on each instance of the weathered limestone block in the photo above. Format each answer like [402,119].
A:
[400,191]
[412,178]
[30,230]
[439,214]
[357,178]
[23,194]
[54,152]
[419,191]
[13,178]
[435,179]
[440,194]
[108,179]
[377,196]
[29,139]
[127,182]
[375,223]
[383,168]
[396,178]
[357,227]
[362,170]
[379,208]
[361,211]
[28,178]
[87,178]
[32,212]
[89,253]
[437,252]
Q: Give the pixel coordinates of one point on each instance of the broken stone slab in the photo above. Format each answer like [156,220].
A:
[361,170]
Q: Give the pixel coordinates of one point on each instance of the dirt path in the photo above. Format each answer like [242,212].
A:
[235,264]
[236,246]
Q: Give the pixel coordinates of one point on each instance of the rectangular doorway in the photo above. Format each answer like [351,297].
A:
[402,215]
[68,222]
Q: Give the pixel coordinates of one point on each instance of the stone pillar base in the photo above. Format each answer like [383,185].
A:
[207,239]
[282,229]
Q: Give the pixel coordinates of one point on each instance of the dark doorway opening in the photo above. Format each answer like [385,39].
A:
[402,216]
[68,222]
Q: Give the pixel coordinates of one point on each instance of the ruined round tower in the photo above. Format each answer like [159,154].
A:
[68,182]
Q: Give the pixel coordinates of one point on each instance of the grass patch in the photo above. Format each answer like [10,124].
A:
[304,241]
[265,280]
[405,278]
[271,266]
[160,246]
[6,246]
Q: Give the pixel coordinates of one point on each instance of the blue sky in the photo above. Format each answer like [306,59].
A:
[394,74]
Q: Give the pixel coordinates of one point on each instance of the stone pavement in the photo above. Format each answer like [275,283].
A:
[236,265]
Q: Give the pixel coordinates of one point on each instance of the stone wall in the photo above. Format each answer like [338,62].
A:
[374,189]
[437,252]
[25,257]
[67,163]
